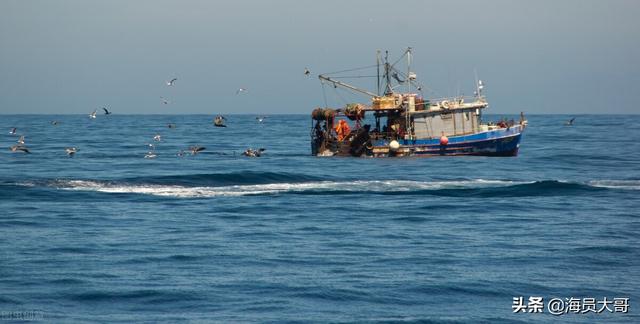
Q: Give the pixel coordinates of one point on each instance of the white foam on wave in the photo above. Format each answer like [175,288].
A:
[275,188]
[616,184]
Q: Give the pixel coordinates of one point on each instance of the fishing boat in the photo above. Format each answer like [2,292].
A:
[408,124]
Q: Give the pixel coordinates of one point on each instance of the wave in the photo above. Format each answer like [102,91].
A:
[314,187]
[452,188]
[616,184]
[222,179]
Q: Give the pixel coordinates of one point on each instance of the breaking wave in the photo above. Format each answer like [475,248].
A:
[453,188]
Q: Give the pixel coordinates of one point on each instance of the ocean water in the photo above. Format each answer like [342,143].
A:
[218,237]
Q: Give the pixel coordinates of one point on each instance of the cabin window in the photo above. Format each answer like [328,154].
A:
[445,116]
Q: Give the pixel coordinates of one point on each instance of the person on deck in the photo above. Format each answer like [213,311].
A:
[342,130]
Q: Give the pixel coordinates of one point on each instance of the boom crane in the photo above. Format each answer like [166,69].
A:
[345,85]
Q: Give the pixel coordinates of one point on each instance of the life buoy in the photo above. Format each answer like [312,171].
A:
[394,146]
[444,104]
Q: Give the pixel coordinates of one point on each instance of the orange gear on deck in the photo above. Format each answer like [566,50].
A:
[342,130]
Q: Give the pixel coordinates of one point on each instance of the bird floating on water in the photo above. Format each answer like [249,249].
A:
[20,147]
[171,125]
[55,122]
[570,122]
[219,121]
[196,149]
[170,82]
[157,138]
[106,112]
[253,153]
[93,114]
[151,154]
[71,151]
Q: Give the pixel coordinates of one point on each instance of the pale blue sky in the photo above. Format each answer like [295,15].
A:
[534,56]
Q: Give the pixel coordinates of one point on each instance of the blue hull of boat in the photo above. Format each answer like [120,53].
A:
[499,142]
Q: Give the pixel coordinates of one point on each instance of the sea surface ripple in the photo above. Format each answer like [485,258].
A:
[111,236]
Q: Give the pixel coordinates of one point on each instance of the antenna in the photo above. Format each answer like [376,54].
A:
[409,69]
[475,73]
[407,121]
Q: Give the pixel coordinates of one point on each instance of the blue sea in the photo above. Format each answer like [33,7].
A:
[109,236]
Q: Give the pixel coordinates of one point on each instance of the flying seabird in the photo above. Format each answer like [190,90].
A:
[260,119]
[241,90]
[570,122]
[13,131]
[306,71]
[196,149]
[21,140]
[20,148]
[55,122]
[93,114]
[157,138]
[71,151]
[170,82]
[164,101]
[106,112]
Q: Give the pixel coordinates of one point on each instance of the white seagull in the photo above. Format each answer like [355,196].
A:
[170,82]
[157,138]
[151,154]
[71,151]
[21,140]
[241,90]
[93,114]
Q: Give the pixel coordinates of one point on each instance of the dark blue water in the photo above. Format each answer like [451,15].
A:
[111,236]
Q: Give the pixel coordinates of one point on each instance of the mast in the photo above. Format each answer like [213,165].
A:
[387,67]
[378,68]
[408,70]
[406,112]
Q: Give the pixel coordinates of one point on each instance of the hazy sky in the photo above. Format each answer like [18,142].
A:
[535,56]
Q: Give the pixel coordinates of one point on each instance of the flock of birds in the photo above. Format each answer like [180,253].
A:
[219,121]
[151,154]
